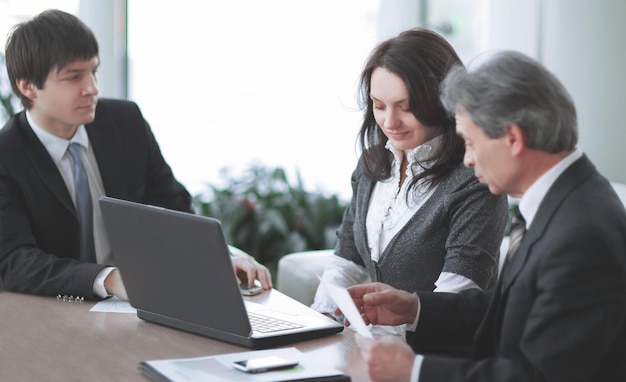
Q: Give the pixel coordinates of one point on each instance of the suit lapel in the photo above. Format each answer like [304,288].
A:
[44,165]
[104,138]
[566,182]
[362,215]
[488,334]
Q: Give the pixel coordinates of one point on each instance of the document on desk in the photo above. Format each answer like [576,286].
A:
[344,302]
[113,304]
[219,368]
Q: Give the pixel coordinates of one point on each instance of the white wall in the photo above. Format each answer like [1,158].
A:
[581,41]
[394,16]
[512,24]
[584,44]
[107,20]
[206,117]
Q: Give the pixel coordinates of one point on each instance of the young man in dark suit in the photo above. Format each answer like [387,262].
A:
[558,311]
[52,61]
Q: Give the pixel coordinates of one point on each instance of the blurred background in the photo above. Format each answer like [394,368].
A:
[272,82]
[252,100]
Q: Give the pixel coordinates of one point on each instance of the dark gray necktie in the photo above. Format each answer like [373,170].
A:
[84,205]
[518,229]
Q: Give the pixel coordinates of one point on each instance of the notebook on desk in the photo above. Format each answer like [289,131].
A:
[177,271]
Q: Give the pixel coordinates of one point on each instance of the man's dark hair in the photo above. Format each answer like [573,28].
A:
[49,41]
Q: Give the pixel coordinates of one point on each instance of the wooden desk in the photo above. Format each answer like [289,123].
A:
[43,339]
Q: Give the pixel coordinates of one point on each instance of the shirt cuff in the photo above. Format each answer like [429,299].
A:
[454,283]
[417,367]
[417,315]
[98,285]
[236,252]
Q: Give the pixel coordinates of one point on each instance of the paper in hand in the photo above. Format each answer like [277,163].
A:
[342,298]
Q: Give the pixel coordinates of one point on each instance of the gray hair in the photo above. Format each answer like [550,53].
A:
[511,88]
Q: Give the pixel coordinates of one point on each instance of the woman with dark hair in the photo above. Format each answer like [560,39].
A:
[418,219]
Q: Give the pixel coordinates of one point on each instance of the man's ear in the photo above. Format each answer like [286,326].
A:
[515,138]
[27,88]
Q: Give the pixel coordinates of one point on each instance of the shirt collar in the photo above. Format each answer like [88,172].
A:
[57,146]
[529,203]
[420,154]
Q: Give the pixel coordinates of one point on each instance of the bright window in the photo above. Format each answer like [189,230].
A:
[230,83]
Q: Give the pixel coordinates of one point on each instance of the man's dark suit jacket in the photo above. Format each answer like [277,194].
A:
[558,311]
[39,232]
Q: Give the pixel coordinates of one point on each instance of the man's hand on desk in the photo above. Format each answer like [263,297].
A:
[248,269]
[388,359]
[115,286]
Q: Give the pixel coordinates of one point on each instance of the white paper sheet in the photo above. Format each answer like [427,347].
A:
[342,298]
[113,304]
[219,368]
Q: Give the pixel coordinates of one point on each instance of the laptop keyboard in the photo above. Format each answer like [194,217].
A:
[265,324]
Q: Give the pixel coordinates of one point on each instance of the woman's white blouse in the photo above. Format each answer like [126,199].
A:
[389,211]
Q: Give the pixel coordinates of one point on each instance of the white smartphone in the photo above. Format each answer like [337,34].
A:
[259,365]
[247,290]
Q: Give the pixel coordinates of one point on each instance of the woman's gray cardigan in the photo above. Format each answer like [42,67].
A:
[459,229]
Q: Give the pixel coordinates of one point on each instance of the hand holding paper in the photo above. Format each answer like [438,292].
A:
[344,302]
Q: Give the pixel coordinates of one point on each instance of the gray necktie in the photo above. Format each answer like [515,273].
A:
[84,205]
[518,229]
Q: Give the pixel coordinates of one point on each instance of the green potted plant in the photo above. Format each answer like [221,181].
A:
[267,216]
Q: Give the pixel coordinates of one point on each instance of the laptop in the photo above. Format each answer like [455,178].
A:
[177,271]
